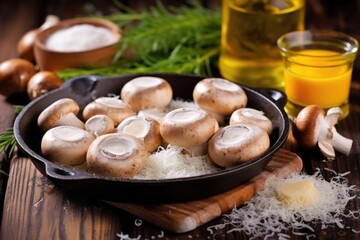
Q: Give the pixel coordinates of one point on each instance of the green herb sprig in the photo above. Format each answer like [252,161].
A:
[184,39]
[7,138]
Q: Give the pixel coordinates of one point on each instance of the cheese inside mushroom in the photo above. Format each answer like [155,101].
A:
[236,144]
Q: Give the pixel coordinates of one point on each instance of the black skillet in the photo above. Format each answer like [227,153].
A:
[87,88]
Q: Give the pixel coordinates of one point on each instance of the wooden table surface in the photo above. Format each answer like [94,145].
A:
[32,208]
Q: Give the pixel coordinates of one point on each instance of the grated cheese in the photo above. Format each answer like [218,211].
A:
[172,163]
[265,216]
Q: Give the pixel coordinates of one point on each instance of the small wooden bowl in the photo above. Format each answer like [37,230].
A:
[52,60]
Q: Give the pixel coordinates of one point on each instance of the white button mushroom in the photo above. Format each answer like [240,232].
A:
[113,107]
[188,128]
[99,125]
[252,116]
[146,129]
[146,92]
[156,114]
[66,145]
[313,127]
[62,112]
[236,144]
[116,155]
[219,97]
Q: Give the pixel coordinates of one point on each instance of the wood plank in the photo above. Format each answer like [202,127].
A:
[44,211]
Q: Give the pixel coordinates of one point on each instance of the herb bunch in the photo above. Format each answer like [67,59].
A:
[184,39]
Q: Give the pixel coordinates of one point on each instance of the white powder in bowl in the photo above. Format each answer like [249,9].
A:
[80,37]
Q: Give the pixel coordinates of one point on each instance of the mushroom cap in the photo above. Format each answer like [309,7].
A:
[146,129]
[115,108]
[99,125]
[252,116]
[156,114]
[219,95]
[236,144]
[15,75]
[41,83]
[146,92]
[66,145]
[308,125]
[188,127]
[50,116]
[116,155]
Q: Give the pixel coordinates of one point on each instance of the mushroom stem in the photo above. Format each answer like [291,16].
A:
[70,119]
[341,143]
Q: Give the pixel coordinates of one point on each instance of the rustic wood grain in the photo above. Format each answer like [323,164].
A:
[45,212]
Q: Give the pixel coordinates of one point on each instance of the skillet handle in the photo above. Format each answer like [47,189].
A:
[278,97]
[59,173]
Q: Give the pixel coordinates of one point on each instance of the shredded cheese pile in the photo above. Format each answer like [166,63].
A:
[265,216]
[171,163]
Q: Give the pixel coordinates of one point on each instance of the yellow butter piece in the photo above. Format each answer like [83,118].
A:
[300,193]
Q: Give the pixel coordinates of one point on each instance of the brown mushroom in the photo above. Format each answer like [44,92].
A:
[41,83]
[15,75]
[236,144]
[313,127]
[116,155]
[25,45]
[61,113]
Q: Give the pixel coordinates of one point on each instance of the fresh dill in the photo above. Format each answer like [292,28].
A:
[7,143]
[7,138]
[183,39]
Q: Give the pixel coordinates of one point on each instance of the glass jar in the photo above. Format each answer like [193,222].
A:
[250,29]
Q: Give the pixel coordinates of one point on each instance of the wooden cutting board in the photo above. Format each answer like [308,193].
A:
[186,216]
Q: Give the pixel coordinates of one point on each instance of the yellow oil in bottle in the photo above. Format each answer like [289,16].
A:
[250,29]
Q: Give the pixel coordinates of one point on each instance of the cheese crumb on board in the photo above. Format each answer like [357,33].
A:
[298,193]
[266,216]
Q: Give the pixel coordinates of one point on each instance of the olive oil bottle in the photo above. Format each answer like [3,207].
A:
[250,29]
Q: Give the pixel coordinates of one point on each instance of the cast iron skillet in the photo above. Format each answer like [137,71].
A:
[87,88]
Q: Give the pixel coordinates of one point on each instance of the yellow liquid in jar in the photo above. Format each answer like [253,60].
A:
[250,29]
[326,83]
